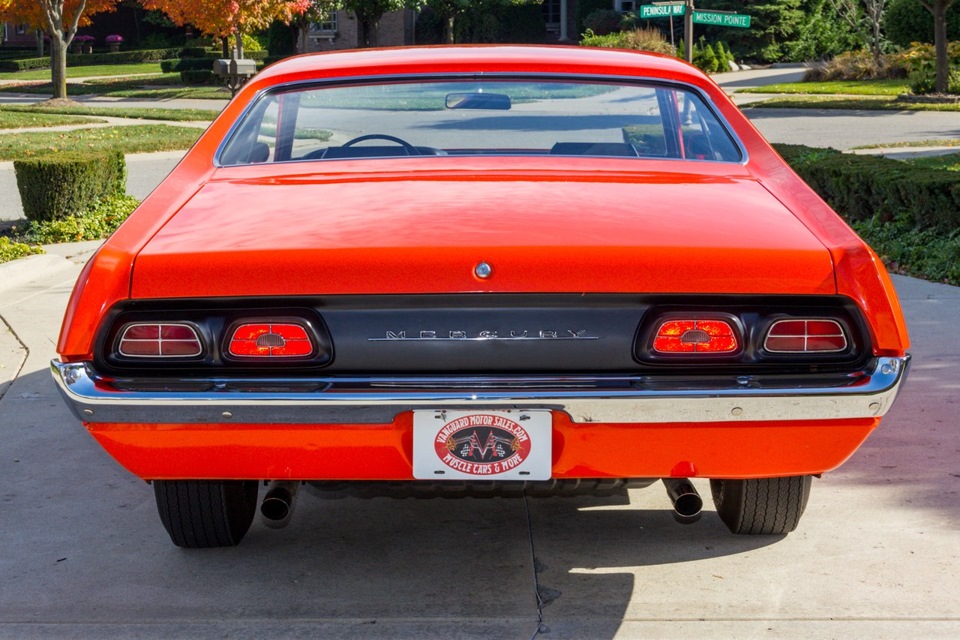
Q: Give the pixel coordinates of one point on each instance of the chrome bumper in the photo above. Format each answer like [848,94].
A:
[378,400]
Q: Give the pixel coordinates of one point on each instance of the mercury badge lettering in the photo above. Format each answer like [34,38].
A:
[543,334]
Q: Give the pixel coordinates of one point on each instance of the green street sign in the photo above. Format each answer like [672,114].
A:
[718,19]
[664,10]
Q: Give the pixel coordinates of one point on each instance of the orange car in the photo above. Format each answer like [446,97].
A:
[480,271]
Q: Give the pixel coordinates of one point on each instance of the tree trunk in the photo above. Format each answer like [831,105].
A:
[450,21]
[225,47]
[940,44]
[239,46]
[58,66]
[39,43]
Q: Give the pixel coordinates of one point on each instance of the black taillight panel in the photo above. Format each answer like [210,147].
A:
[753,318]
[211,322]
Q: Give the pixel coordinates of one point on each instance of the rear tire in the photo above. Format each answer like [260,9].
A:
[206,513]
[761,506]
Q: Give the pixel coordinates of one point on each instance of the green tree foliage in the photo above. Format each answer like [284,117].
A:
[906,22]
[822,34]
[774,25]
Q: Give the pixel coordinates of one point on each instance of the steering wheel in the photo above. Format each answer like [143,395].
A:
[407,147]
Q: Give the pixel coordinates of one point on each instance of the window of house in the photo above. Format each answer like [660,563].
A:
[329,25]
[625,6]
[551,12]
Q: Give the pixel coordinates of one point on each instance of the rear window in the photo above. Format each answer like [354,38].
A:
[486,117]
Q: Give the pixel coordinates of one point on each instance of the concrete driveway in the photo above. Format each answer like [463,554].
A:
[84,554]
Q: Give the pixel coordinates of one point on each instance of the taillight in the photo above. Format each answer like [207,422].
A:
[159,340]
[805,336]
[704,336]
[270,340]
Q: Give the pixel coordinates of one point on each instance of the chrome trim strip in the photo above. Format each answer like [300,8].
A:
[377,400]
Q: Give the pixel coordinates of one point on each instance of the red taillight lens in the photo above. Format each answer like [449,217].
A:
[159,340]
[805,336]
[696,336]
[270,340]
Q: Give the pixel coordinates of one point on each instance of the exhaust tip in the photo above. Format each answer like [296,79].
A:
[277,506]
[686,501]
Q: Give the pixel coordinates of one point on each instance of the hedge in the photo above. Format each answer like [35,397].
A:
[84,59]
[186,64]
[56,186]
[196,77]
[873,187]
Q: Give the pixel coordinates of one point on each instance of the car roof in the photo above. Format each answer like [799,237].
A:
[480,59]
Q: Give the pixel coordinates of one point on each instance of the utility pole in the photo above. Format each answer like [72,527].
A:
[688,32]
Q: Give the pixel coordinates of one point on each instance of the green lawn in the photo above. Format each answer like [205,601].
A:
[837,87]
[151,87]
[172,115]
[86,71]
[866,103]
[950,162]
[20,120]
[946,142]
[128,139]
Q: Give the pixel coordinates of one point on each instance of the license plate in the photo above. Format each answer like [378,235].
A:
[473,445]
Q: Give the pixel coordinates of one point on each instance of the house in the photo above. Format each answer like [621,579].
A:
[399,27]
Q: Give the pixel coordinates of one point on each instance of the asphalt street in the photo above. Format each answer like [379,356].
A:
[83,554]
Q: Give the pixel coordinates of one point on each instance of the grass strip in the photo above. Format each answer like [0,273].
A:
[86,71]
[171,115]
[837,87]
[128,139]
[947,142]
[22,120]
[153,87]
[861,103]
[949,162]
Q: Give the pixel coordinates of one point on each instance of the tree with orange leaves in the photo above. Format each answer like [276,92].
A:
[59,19]
[225,18]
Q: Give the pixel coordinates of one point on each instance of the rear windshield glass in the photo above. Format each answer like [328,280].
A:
[494,117]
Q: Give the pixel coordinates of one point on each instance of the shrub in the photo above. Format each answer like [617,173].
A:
[857,65]
[98,222]
[195,52]
[921,63]
[56,186]
[863,188]
[638,39]
[196,77]
[602,22]
[78,60]
[585,8]
[12,250]
[186,64]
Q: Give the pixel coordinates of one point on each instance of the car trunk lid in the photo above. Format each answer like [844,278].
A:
[658,234]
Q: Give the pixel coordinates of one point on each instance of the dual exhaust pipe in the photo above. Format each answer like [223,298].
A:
[277,506]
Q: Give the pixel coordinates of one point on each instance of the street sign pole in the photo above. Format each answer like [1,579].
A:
[688,32]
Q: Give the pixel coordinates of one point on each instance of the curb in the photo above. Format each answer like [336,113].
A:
[58,257]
